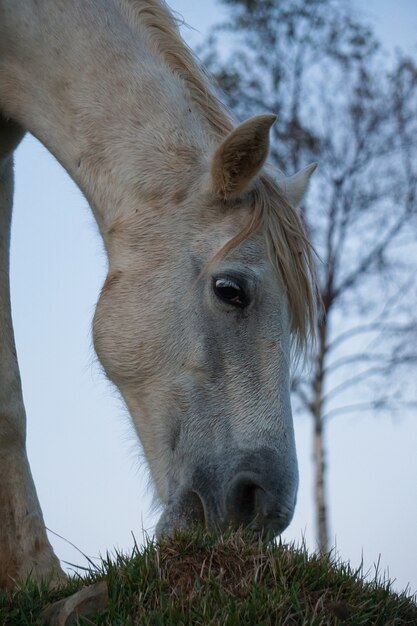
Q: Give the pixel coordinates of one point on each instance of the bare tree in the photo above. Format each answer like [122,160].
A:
[342,103]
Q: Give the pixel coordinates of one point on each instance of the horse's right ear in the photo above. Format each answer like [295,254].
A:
[241,155]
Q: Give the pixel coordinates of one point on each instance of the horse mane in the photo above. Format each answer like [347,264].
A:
[287,245]
[161,28]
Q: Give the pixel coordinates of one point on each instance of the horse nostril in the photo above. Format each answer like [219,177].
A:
[245,502]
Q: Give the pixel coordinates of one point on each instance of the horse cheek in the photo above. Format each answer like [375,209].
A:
[113,337]
[127,335]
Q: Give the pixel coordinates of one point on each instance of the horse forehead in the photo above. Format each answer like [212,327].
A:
[251,251]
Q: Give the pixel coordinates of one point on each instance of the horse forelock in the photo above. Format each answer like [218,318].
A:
[289,252]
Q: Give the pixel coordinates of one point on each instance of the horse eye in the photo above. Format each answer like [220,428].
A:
[230,291]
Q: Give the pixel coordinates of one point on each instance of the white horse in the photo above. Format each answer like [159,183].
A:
[210,275]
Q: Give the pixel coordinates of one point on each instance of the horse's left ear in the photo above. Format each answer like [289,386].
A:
[241,155]
[295,186]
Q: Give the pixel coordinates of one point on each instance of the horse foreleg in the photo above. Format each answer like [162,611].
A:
[24,546]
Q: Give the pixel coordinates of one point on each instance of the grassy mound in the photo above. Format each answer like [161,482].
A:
[229,581]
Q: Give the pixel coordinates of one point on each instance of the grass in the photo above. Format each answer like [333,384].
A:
[230,581]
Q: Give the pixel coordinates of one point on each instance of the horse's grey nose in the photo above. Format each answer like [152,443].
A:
[249,504]
[216,497]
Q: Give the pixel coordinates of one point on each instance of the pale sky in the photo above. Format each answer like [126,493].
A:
[84,456]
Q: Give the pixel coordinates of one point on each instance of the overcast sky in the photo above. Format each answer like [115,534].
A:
[85,459]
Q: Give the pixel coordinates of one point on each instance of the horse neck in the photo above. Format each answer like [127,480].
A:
[110,110]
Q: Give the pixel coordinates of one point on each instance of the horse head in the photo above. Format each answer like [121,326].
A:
[206,288]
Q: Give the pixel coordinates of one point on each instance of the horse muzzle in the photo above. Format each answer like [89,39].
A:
[260,500]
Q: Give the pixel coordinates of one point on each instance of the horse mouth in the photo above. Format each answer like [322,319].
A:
[245,504]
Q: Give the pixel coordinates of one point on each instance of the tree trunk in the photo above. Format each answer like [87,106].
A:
[319,453]
[320,487]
